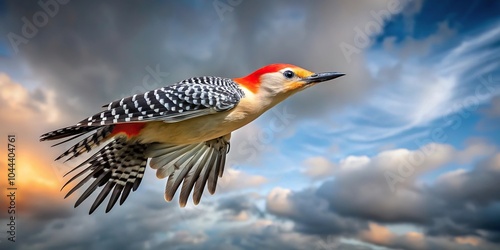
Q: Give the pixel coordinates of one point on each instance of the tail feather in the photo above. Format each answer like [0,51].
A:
[87,144]
[66,132]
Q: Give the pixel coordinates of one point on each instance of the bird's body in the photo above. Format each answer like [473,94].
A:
[204,128]
[183,128]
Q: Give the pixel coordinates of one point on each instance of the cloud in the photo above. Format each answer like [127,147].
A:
[186,238]
[412,46]
[476,186]
[237,180]
[491,114]
[359,193]
[382,236]
[318,167]
[494,110]
[38,195]
[19,100]
[278,201]
[430,82]
[310,213]
[377,234]
[239,208]
[142,221]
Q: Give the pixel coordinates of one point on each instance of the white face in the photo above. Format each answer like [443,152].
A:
[279,82]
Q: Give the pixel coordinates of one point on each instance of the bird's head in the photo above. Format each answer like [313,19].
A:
[283,79]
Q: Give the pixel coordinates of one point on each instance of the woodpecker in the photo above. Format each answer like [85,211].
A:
[183,129]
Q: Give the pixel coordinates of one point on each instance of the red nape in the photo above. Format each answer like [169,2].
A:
[252,81]
[130,129]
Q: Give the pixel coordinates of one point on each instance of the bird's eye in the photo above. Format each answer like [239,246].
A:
[288,74]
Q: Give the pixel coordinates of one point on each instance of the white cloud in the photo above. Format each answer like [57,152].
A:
[188,238]
[425,86]
[461,58]
[235,180]
[454,179]
[278,201]
[21,105]
[474,150]
[318,167]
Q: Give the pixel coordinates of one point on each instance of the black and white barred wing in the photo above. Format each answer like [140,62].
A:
[190,98]
[117,169]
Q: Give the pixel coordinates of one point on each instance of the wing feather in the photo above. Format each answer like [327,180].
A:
[175,179]
[194,165]
[192,176]
[202,179]
[190,98]
[118,168]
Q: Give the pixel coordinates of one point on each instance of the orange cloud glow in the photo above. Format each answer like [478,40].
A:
[35,180]
[377,234]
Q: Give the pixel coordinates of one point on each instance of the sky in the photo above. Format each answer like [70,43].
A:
[401,153]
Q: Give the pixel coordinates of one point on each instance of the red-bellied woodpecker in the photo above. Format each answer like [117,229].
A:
[183,128]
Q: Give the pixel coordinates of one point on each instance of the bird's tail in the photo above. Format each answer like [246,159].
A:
[74,131]
[119,167]
[102,133]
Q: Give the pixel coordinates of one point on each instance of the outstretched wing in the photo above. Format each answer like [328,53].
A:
[119,167]
[194,165]
[190,98]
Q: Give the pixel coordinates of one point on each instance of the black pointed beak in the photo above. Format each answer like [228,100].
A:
[322,77]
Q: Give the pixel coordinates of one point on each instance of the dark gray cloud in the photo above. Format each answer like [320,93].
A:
[138,223]
[233,206]
[310,214]
[479,186]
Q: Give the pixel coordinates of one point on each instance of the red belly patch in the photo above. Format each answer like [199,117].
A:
[129,129]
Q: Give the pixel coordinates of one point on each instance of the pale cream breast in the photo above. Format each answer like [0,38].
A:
[204,128]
